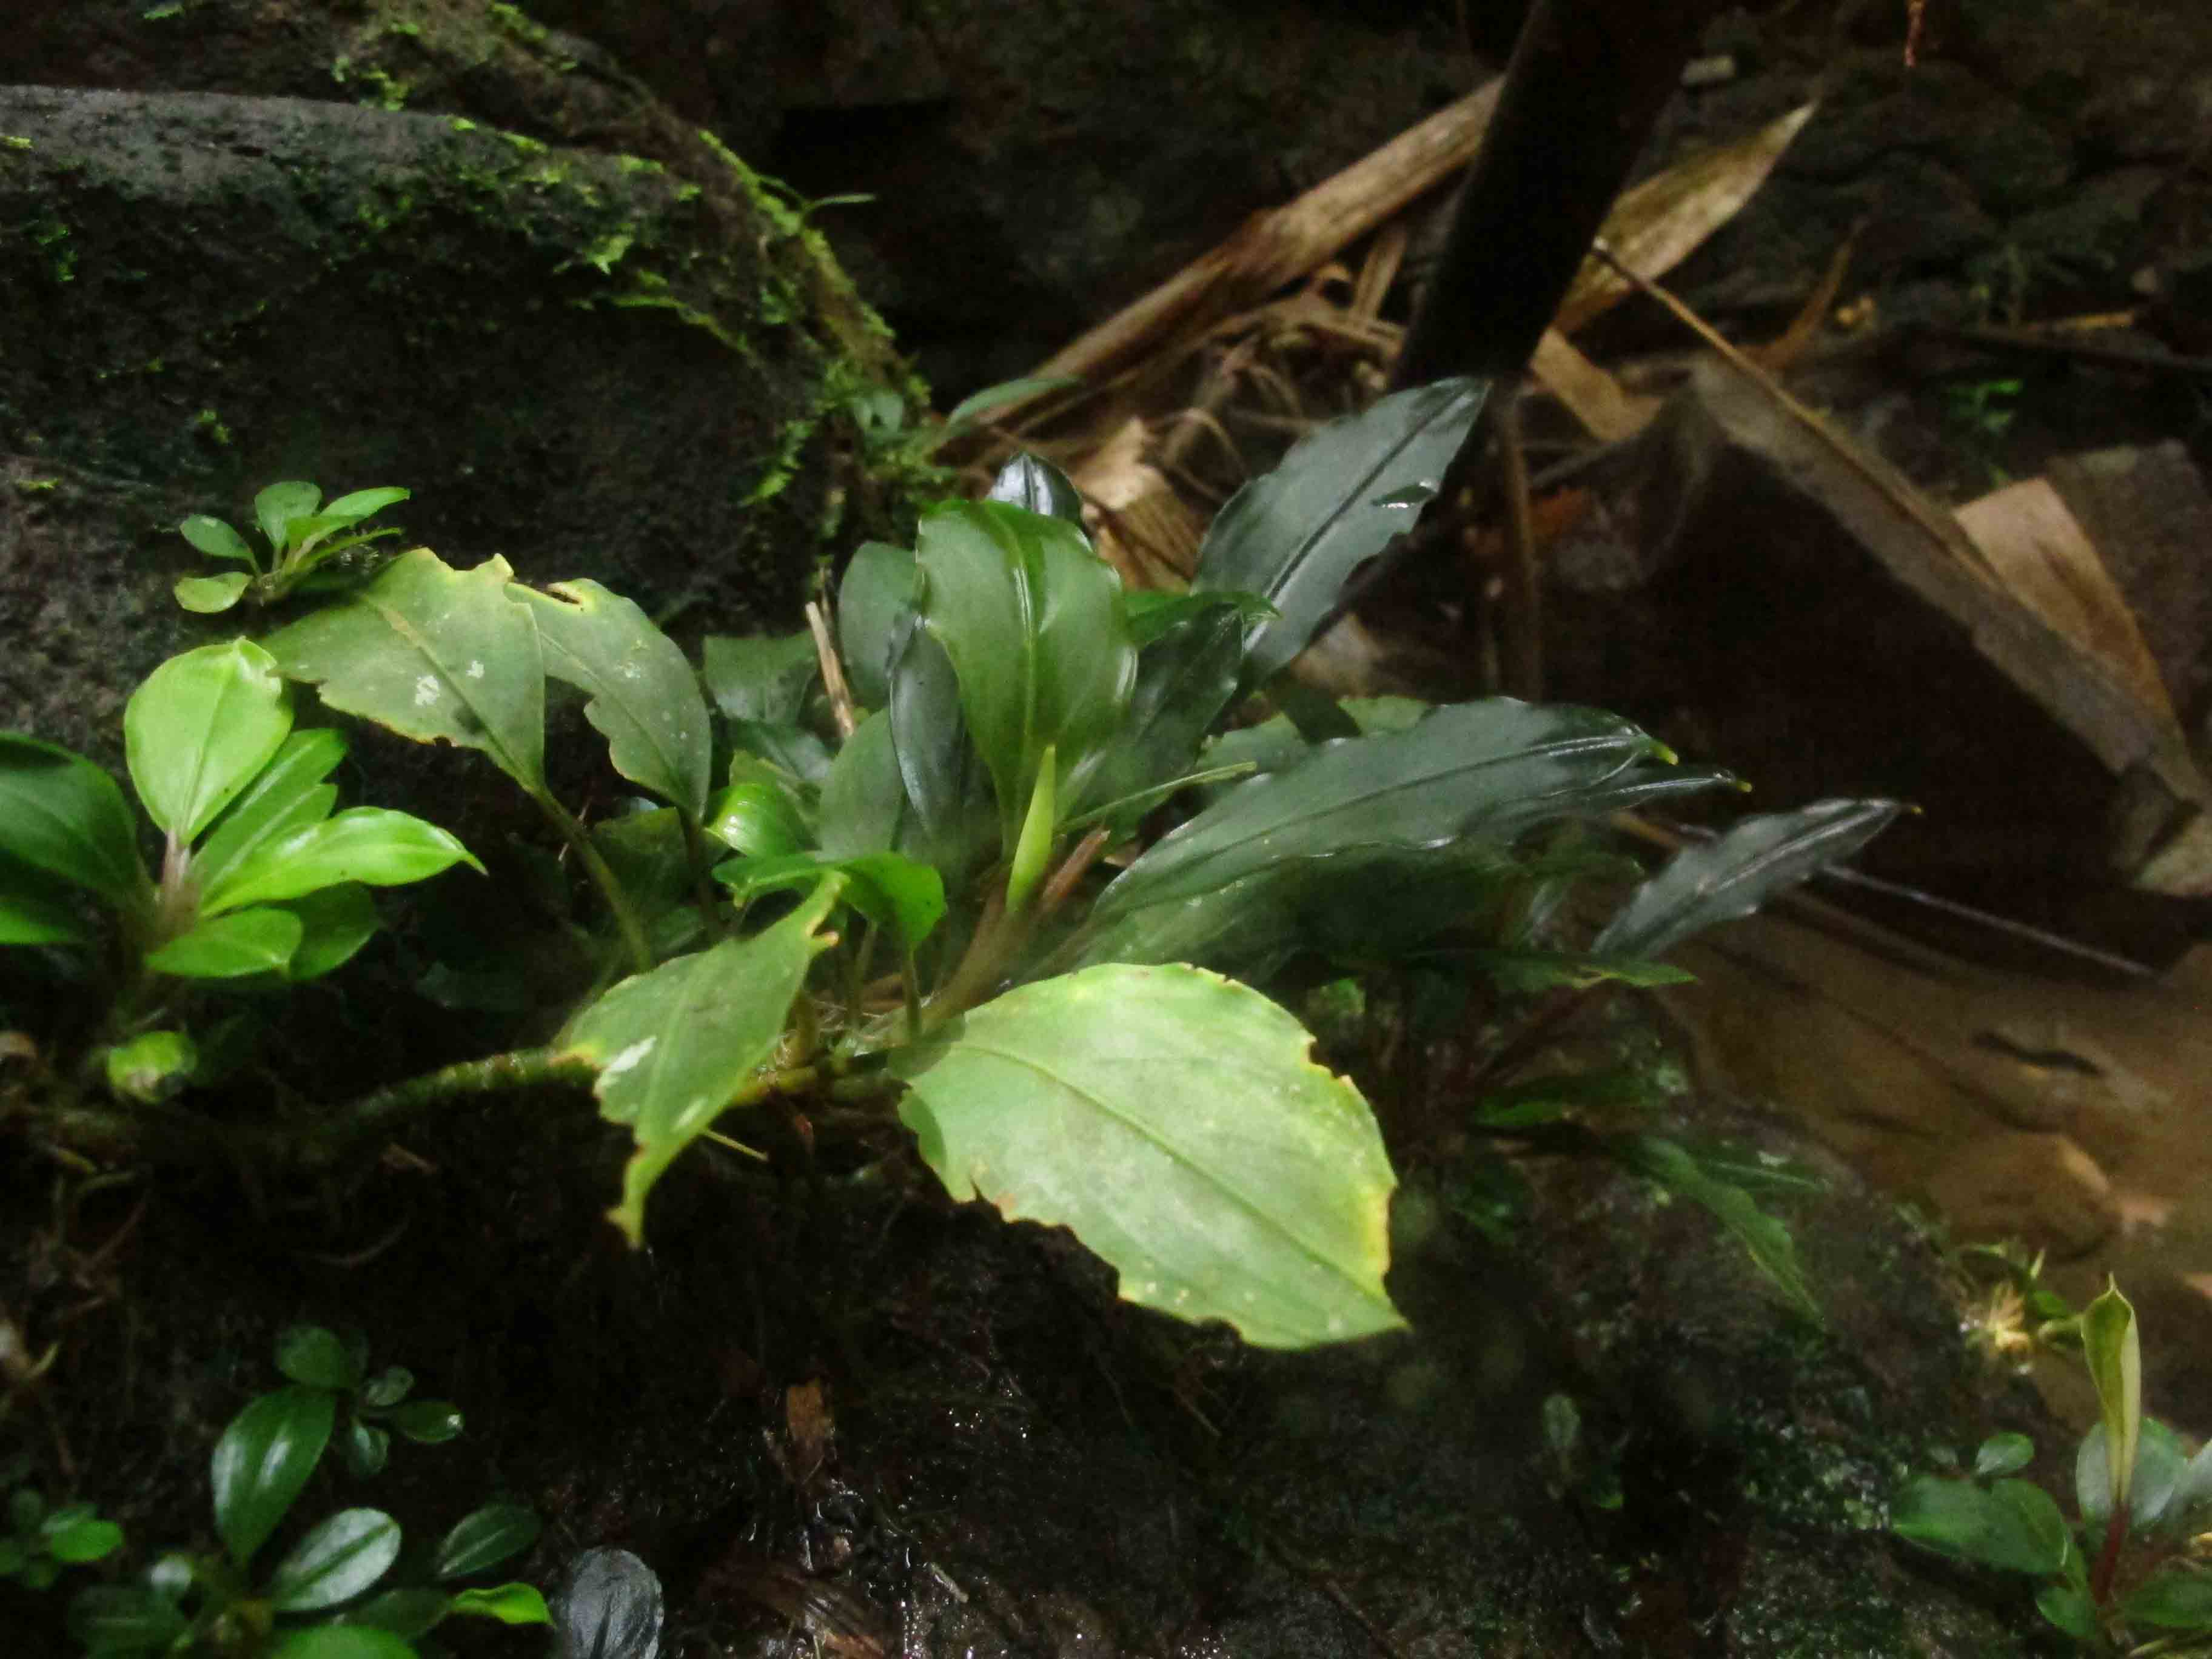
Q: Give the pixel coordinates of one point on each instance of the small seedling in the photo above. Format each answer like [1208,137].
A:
[312,546]
[372,1408]
[41,1540]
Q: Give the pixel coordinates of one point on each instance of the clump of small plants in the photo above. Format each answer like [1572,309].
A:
[978,858]
[43,1539]
[346,1586]
[2131,1575]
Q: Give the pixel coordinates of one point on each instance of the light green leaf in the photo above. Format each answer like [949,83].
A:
[1173,1119]
[1034,484]
[364,503]
[152,1067]
[900,893]
[875,601]
[2114,1351]
[1032,620]
[217,539]
[484,1538]
[335,922]
[1294,536]
[257,941]
[34,911]
[510,1604]
[864,802]
[762,679]
[2012,1525]
[437,655]
[1734,874]
[644,698]
[2177,1598]
[1485,770]
[675,1047]
[341,1642]
[339,1558]
[759,818]
[287,795]
[263,1461]
[369,844]
[199,728]
[276,507]
[210,596]
[82,1539]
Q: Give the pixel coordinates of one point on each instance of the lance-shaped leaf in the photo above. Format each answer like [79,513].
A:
[199,728]
[1294,536]
[1032,620]
[284,798]
[1487,769]
[644,698]
[1184,679]
[485,1538]
[1172,1119]
[2012,1525]
[1036,485]
[1152,611]
[2114,1349]
[437,654]
[260,940]
[675,1047]
[373,845]
[875,604]
[1736,873]
[263,1461]
[951,825]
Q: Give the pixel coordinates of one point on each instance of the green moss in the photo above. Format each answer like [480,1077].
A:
[51,235]
[15,142]
[606,254]
[36,486]
[208,421]
[157,14]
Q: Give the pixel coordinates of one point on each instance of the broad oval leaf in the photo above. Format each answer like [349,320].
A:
[875,601]
[864,799]
[484,1538]
[210,596]
[608,1607]
[260,940]
[760,818]
[285,796]
[1174,1121]
[408,1612]
[1036,485]
[1032,620]
[372,845]
[264,1460]
[152,1067]
[675,1046]
[436,654]
[199,728]
[427,1422]
[217,539]
[1487,770]
[341,1642]
[335,922]
[316,1356]
[644,698]
[62,814]
[2071,1609]
[83,1540]
[1734,874]
[761,678]
[1294,536]
[2012,1525]
[2004,1454]
[276,509]
[2178,1598]
[339,1558]
[900,893]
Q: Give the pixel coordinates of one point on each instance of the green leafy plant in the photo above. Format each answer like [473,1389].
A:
[322,1599]
[42,1540]
[991,874]
[313,545]
[259,876]
[2125,1578]
[371,1408]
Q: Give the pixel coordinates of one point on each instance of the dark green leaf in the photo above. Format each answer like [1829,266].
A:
[2070,1609]
[285,797]
[2177,1598]
[260,940]
[341,1642]
[426,1422]
[1673,1168]
[1185,679]
[864,802]
[405,1613]
[437,655]
[1173,1119]
[339,1558]
[217,539]
[334,924]
[645,699]
[264,1460]
[763,677]
[387,1387]
[1036,485]
[484,1539]
[901,894]
[792,748]
[312,1355]
[951,822]
[673,1047]
[1294,536]
[210,596]
[1153,613]
[62,814]
[1525,973]
[2013,1525]
[373,845]
[1733,875]
[875,601]
[34,911]
[2003,1454]
[118,1618]
[276,507]
[366,1450]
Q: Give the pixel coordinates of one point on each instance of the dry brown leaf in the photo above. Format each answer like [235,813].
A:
[1606,410]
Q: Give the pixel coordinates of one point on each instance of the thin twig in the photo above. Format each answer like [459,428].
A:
[833,672]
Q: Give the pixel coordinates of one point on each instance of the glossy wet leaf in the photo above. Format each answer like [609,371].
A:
[372,845]
[760,817]
[366,1450]
[1734,874]
[210,596]
[339,1558]
[275,508]
[61,814]
[199,727]
[952,820]
[317,1355]
[335,922]
[901,894]
[1174,1121]
[644,698]
[1527,973]
[152,1066]
[217,539]
[1153,613]
[426,1422]
[608,1607]
[1294,536]
[1036,485]
[1184,680]
[2012,1525]
[1031,619]
[259,940]
[764,677]
[436,654]
[117,1618]
[484,1538]
[1485,770]
[875,601]
[285,796]
[263,1461]
[674,1046]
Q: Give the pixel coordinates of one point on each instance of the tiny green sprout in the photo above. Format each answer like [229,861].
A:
[313,545]
[42,1540]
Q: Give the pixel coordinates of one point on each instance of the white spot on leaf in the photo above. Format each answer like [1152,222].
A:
[627,1058]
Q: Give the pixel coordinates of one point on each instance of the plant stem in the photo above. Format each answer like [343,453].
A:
[2108,1560]
[618,903]
[716,915]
